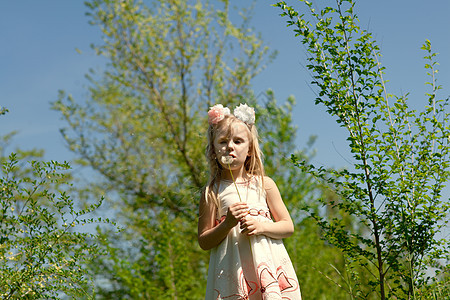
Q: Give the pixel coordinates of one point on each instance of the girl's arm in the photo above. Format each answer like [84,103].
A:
[282,226]
[209,236]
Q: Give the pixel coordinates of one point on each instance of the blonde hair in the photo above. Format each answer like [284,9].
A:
[253,164]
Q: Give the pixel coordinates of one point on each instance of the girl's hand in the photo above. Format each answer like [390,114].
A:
[236,212]
[251,226]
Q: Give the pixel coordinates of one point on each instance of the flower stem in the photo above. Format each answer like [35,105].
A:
[235,185]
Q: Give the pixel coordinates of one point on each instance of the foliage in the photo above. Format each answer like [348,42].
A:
[3,110]
[41,256]
[401,156]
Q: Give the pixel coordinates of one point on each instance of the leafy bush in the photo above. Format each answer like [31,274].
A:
[41,254]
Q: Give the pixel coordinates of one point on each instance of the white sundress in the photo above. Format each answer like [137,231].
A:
[255,267]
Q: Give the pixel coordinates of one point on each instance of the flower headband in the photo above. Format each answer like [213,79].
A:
[243,112]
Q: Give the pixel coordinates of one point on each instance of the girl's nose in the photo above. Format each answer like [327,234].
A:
[230,145]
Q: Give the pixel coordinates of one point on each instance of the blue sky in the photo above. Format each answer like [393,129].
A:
[38,57]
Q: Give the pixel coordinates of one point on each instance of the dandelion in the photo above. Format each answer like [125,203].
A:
[228,160]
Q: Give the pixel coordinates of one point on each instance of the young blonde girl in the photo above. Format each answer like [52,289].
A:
[242,217]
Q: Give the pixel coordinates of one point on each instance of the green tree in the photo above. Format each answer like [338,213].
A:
[401,156]
[43,251]
[143,128]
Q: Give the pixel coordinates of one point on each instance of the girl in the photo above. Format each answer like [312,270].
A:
[242,217]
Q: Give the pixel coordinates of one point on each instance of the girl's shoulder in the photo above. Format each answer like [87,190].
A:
[269,183]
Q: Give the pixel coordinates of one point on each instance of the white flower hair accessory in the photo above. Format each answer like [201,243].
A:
[245,113]
[217,113]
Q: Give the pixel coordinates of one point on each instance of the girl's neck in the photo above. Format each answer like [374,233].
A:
[238,175]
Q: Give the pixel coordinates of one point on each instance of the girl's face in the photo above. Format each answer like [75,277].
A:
[233,142]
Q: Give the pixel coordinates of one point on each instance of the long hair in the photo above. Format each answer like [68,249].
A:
[253,164]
